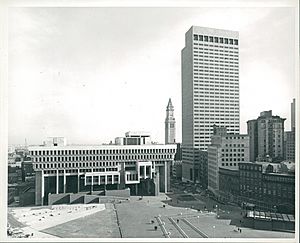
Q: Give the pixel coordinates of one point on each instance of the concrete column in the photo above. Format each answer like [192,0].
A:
[136,189]
[157,186]
[166,177]
[43,188]
[112,179]
[92,184]
[57,182]
[38,187]
[65,181]
[78,181]
[145,171]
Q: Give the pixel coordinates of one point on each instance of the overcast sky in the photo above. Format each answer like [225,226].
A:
[91,74]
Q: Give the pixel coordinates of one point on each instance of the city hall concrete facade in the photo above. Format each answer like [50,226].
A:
[145,169]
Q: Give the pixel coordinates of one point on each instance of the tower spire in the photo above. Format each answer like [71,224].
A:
[170,124]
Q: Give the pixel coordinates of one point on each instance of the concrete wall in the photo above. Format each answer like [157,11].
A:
[269,225]
[76,198]
[39,188]
[69,198]
[118,193]
[62,198]
[27,198]
[91,199]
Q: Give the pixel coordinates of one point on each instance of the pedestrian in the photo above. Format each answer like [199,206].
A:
[155,228]
[177,221]
[240,230]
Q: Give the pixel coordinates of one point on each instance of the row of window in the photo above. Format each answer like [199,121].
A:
[210,101]
[212,60]
[249,167]
[96,180]
[211,46]
[215,57]
[233,159]
[74,165]
[132,177]
[215,39]
[93,152]
[209,112]
[213,79]
[279,179]
[219,62]
[212,72]
[219,57]
[199,63]
[229,164]
[232,155]
[233,150]
[218,108]
[212,50]
[93,158]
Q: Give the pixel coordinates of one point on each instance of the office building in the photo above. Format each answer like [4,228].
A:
[145,169]
[293,117]
[229,185]
[226,151]
[170,129]
[266,137]
[270,186]
[289,137]
[210,90]
[289,145]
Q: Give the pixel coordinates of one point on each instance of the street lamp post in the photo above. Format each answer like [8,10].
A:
[214,230]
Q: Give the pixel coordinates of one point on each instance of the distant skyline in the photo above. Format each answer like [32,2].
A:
[92,74]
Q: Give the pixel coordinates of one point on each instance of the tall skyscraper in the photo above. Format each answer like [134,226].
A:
[210,90]
[289,137]
[266,137]
[170,124]
[293,114]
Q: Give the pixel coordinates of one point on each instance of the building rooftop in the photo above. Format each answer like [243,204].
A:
[94,147]
[137,134]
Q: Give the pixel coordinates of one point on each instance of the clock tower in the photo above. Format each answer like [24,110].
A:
[170,124]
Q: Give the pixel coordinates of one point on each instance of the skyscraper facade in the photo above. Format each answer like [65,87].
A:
[170,124]
[210,90]
[289,137]
[293,104]
[266,137]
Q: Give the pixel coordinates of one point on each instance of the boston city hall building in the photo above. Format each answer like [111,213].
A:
[133,162]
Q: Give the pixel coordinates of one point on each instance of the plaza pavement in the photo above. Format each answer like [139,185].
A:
[138,218]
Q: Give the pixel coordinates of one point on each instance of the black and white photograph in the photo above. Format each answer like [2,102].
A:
[163,121]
